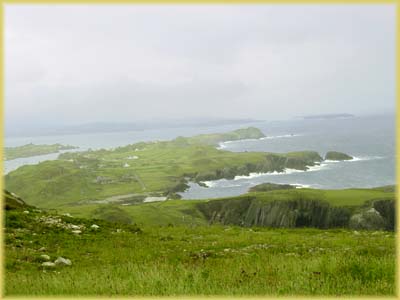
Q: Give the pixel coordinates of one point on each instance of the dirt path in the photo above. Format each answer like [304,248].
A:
[140,181]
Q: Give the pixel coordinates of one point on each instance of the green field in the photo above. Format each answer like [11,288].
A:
[119,259]
[29,150]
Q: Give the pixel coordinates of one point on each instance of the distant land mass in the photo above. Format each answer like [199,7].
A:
[156,169]
[327,116]
[29,150]
[97,127]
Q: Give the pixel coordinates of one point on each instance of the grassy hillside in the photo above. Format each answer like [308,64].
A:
[122,259]
[33,150]
[146,169]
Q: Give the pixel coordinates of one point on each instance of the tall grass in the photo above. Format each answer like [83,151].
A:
[202,260]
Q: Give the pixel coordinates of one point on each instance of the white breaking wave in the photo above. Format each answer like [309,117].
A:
[316,167]
[210,183]
[279,136]
[300,186]
[285,172]
[220,183]
[253,175]
[323,165]
[361,158]
[355,158]
[222,145]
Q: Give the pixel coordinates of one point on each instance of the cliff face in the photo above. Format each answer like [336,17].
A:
[249,211]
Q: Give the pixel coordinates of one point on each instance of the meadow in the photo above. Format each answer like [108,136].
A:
[121,259]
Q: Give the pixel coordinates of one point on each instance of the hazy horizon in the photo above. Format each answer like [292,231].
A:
[78,64]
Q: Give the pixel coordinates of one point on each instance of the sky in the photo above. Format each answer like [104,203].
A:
[67,64]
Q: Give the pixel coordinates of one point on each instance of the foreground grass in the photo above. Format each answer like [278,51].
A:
[118,259]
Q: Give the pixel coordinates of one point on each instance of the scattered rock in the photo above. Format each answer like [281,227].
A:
[373,211]
[48,264]
[42,249]
[94,226]
[72,226]
[67,215]
[45,257]
[62,261]
[26,212]
[76,231]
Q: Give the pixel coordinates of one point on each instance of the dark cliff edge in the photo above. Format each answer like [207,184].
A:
[301,212]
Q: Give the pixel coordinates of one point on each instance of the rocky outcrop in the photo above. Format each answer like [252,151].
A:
[266,187]
[334,155]
[368,219]
[12,201]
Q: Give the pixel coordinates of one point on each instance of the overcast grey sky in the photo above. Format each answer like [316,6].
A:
[79,64]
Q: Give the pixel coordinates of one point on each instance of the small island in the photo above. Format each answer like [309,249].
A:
[328,116]
[29,150]
[338,156]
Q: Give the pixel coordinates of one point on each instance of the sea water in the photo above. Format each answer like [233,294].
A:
[370,140]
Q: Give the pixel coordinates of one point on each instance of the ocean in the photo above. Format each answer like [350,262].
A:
[370,140]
